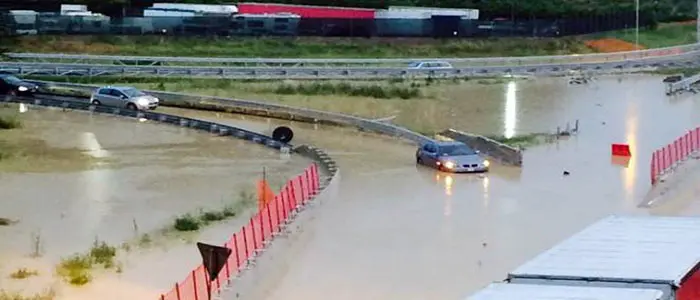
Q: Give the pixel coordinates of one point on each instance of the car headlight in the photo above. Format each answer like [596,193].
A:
[22,89]
[143,101]
[487,163]
[449,165]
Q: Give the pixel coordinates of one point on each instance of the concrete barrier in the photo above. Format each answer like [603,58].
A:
[500,152]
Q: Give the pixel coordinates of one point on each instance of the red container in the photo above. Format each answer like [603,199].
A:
[319,12]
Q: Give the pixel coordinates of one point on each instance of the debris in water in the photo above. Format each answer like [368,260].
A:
[7,222]
[483,244]
[566,173]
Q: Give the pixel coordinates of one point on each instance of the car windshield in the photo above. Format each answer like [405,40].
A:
[414,64]
[456,150]
[12,79]
[133,93]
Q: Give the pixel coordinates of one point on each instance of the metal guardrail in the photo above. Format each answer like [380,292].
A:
[211,127]
[684,84]
[59,69]
[473,62]
[269,109]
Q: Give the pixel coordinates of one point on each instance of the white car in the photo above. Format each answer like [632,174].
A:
[121,96]
[429,65]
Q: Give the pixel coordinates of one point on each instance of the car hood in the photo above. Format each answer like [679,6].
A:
[464,159]
[28,85]
[148,98]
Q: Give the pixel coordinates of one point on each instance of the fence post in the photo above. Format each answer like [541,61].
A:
[269,219]
[277,208]
[238,257]
[262,229]
[288,195]
[252,232]
[177,291]
[194,283]
[162,297]
[292,193]
[301,189]
[245,242]
[307,174]
[285,207]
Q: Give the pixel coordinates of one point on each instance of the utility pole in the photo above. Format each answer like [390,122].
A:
[697,26]
[636,23]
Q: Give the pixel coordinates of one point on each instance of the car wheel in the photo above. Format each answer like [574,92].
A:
[131,106]
[96,102]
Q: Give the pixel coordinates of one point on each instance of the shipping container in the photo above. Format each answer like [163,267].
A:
[305,11]
[512,291]
[402,23]
[268,24]
[624,251]
[198,8]
[469,14]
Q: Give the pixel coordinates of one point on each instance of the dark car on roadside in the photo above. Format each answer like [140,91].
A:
[13,86]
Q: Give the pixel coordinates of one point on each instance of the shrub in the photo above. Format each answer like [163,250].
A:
[186,223]
[8,121]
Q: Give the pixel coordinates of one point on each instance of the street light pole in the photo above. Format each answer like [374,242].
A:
[636,23]
[697,26]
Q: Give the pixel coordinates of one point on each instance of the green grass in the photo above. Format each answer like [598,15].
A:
[191,222]
[76,270]
[23,273]
[666,35]
[9,120]
[520,141]
[294,47]
[47,295]
[344,88]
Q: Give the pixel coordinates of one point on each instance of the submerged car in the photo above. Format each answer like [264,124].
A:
[453,157]
[124,96]
[13,86]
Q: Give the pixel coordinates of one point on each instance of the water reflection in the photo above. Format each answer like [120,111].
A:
[629,174]
[510,115]
[485,185]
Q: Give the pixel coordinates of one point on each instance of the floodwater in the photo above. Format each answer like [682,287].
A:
[397,231]
[143,175]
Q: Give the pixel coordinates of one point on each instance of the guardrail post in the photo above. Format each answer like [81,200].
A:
[238,256]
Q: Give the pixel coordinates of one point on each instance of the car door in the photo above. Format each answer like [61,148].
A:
[428,154]
[103,95]
[118,98]
[4,87]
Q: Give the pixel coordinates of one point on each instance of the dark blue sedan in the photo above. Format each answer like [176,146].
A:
[453,157]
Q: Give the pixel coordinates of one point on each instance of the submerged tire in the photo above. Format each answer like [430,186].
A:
[283,134]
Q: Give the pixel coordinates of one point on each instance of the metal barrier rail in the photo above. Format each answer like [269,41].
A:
[24,68]
[270,109]
[486,61]
[214,128]
[666,159]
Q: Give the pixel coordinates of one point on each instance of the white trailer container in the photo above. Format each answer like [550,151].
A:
[467,14]
[512,291]
[624,251]
[199,8]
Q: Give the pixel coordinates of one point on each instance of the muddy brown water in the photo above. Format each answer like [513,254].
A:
[398,231]
[149,173]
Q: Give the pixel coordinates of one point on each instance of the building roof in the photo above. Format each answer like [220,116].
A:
[512,291]
[647,249]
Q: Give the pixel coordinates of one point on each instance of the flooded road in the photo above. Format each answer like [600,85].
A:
[143,176]
[398,231]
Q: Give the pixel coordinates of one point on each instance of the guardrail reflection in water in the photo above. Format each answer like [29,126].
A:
[666,159]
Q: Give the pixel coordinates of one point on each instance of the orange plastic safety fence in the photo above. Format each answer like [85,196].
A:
[252,237]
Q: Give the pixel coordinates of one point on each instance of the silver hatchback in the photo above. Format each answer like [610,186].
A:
[123,96]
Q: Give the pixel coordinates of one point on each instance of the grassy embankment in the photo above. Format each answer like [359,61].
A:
[294,47]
